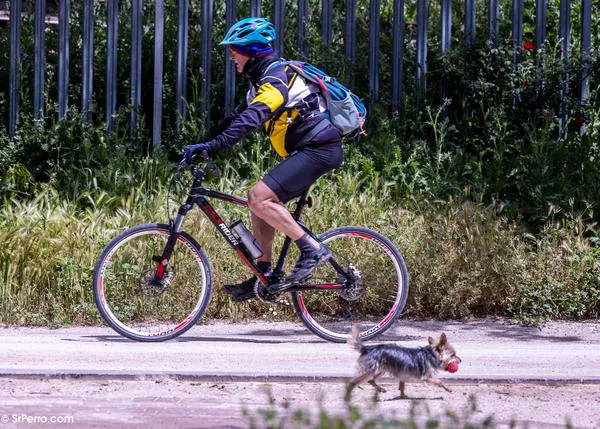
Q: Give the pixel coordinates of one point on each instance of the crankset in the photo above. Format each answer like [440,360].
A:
[265,294]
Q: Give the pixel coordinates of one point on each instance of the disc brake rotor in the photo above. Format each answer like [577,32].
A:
[354,291]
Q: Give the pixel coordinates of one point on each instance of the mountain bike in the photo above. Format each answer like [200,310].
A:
[154,281]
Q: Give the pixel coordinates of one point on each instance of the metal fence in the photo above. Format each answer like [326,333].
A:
[278,17]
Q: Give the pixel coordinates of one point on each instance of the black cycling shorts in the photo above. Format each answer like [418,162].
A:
[302,168]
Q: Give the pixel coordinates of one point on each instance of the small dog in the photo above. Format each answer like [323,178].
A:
[407,364]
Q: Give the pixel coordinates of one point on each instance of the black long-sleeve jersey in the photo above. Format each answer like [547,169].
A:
[288,106]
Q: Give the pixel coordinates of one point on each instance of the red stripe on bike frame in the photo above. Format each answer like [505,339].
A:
[212,214]
[232,200]
[329,286]
[245,260]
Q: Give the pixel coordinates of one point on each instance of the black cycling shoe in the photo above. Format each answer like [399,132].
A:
[241,291]
[245,290]
[307,262]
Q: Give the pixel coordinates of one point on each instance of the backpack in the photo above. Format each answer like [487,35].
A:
[345,110]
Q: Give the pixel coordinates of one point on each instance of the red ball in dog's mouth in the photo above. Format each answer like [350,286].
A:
[452,367]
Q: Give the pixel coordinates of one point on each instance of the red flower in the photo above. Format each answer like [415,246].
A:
[528,45]
[526,82]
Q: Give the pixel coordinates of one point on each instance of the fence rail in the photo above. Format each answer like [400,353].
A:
[278,14]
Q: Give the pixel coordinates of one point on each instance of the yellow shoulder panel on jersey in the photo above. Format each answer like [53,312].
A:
[269,95]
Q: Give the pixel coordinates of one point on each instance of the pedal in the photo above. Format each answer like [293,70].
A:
[286,284]
[279,287]
[244,297]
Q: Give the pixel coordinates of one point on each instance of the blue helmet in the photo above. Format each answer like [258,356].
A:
[250,30]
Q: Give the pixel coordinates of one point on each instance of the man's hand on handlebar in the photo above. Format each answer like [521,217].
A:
[198,152]
[192,152]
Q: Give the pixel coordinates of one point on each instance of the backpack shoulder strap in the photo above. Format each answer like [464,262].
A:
[280,61]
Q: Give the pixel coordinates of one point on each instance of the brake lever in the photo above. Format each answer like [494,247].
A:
[181,166]
[211,164]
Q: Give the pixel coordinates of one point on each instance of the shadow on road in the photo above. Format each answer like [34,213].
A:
[118,339]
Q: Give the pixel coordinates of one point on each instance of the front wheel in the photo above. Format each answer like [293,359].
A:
[373,298]
[130,298]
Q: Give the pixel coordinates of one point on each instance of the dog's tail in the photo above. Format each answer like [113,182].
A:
[354,340]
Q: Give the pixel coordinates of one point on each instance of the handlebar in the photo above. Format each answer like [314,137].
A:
[196,158]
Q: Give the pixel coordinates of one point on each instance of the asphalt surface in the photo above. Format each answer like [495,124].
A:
[216,376]
[492,351]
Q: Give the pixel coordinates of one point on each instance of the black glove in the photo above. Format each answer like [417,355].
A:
[194,149]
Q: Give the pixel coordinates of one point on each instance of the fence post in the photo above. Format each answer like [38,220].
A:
[494,22]
[230,18]
[159,26]
[39,62]
[374,25]
[446,38]
[398,57]
[517,29]
[422,15]
[350,40]
[469,22]
[15,66]
[206,56]
[136,65]
[182,49]
[64,13]
[301,42]
[112,30]
[279,13]
[540,23]
[254,7]
[565,35]
[88,55]
[326,33]
[586,25]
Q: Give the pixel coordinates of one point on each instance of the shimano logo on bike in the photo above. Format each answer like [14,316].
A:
[228,234]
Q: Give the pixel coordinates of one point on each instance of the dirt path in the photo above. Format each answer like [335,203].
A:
[170,403]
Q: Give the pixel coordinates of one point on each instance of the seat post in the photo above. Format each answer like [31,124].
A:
[300,204]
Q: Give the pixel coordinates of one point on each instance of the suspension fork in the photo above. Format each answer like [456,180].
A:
[175,227]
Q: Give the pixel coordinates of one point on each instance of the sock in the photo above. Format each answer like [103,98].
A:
[264,266]
[307,244]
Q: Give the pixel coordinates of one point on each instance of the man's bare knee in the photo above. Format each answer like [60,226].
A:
[260,194]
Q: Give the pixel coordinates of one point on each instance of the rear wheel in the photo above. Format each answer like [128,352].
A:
[130,299]
[374,296]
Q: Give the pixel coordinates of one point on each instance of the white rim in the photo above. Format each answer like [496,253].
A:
[171,329]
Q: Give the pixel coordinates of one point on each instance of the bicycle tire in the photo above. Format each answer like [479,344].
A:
[112,249]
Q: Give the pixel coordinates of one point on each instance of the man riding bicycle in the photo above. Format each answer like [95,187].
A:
[293,112]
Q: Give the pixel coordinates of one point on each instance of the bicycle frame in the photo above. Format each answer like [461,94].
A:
[198,195]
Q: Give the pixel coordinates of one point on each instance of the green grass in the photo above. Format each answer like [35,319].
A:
[464,260]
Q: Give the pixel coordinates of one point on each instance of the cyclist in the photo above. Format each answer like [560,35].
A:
[293,113]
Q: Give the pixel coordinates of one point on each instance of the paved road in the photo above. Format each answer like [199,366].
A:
[210,375]
[491,351]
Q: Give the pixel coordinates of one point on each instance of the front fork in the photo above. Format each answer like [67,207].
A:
[163,260]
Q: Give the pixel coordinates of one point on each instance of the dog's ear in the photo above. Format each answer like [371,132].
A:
[431,341]
[443,339]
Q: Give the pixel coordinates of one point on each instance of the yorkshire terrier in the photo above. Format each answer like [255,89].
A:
[406,364]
